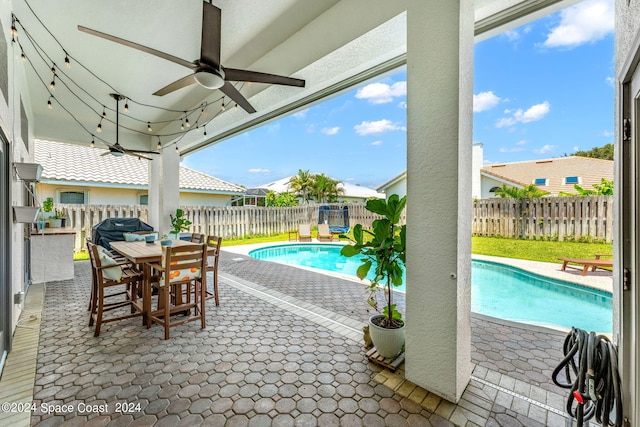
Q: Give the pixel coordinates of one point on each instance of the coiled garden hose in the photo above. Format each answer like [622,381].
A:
[593,359]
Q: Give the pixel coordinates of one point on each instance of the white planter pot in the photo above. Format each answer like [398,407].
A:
[388,342]
[55,223]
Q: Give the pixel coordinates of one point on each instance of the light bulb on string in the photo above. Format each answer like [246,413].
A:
[52,85]
[181,125]
[99,128]
[22,55]
[205,130]
[93,141]
[222,106]
[53,69]
[104,113]
[126,106]
[67,62]
[159,146]
[149,127]
[235,107]
[197,128]
[49,104]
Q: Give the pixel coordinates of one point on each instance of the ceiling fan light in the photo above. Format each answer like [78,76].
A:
[209,80]
[117,153]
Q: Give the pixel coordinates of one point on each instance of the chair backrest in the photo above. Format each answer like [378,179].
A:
[197,238]
[323,230]
[213,242]
[304,230]
[183,263]
[100,261]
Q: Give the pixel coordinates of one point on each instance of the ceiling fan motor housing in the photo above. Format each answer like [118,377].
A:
[209,77]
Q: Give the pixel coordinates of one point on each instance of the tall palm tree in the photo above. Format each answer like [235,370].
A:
[302,184]
[326,189]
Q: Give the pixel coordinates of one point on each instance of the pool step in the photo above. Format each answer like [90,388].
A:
[391,364]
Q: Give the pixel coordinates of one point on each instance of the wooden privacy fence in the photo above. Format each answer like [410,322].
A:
[224,221]
[561,218]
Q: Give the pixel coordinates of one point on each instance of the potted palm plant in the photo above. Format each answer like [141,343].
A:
[382,248]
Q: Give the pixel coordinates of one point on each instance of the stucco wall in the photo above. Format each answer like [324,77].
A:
[128,196]
[627,27]
[10,121]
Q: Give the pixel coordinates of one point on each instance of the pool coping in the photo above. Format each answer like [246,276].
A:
[599,280]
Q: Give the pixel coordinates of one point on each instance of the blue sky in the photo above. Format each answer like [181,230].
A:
[542,90]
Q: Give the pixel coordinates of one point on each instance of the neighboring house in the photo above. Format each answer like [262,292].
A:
[551,175]
[83,175]
[351,192]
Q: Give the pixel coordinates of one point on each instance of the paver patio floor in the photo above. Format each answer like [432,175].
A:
[283,348]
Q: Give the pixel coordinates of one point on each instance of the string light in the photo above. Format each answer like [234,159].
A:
[93,141]
[177,149]
[149,127]
[235,107]
[197,128]
[104,113]
[22,55]
[49,104]
[222,106]
[126,105]
[159,146]
[67,62]
[205,130]
[53,69]
[99,128]
[52,85]
[181,125]
[186,120]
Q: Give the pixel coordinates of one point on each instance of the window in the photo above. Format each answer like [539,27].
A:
[540,181]
[143,199]
[572,180]
[74,197]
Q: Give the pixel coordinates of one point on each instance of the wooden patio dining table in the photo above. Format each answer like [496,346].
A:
[145,254]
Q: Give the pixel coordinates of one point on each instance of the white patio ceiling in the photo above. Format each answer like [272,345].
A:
[329,43]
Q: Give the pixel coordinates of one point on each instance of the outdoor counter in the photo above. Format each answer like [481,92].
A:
[52,254]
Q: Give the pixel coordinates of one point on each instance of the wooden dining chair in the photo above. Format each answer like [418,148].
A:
[183,274]
[108,273]
[197,238]
[214,243]
[93,297]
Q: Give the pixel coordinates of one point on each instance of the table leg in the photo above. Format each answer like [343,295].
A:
[146,295]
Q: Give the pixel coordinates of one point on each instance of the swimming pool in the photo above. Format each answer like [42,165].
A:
[497,290]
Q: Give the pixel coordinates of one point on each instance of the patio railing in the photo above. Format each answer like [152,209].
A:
[560,218]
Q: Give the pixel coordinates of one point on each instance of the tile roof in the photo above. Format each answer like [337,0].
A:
[350,190]
[82,164]
[589,171]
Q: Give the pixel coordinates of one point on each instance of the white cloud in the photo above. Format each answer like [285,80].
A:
[576,148]
[512,35]
[402,104]
[381,93]
[610,81]
[534,113]
[585,22]
[546,149]
[258,170]
[330,131]
[485,101]
[522,142]
[377,127]
[376,143]
[511,150]
[301,114]
[607,134]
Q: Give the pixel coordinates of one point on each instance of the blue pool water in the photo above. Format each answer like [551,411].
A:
[497,290]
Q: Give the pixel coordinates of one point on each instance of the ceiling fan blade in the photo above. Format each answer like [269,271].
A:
[140,151]
[145,49]
[140,156]
[211,29]
[178,84]
[233,93]
[256,77]
[106,153]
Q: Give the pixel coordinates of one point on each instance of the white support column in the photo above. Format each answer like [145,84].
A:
[164,189]
[439,146]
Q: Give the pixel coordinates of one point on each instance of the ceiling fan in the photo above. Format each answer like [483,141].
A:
[117,149]
[207,70]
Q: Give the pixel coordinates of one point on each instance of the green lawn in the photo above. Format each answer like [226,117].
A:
[536,250]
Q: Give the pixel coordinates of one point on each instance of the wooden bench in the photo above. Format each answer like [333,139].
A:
[597,262]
